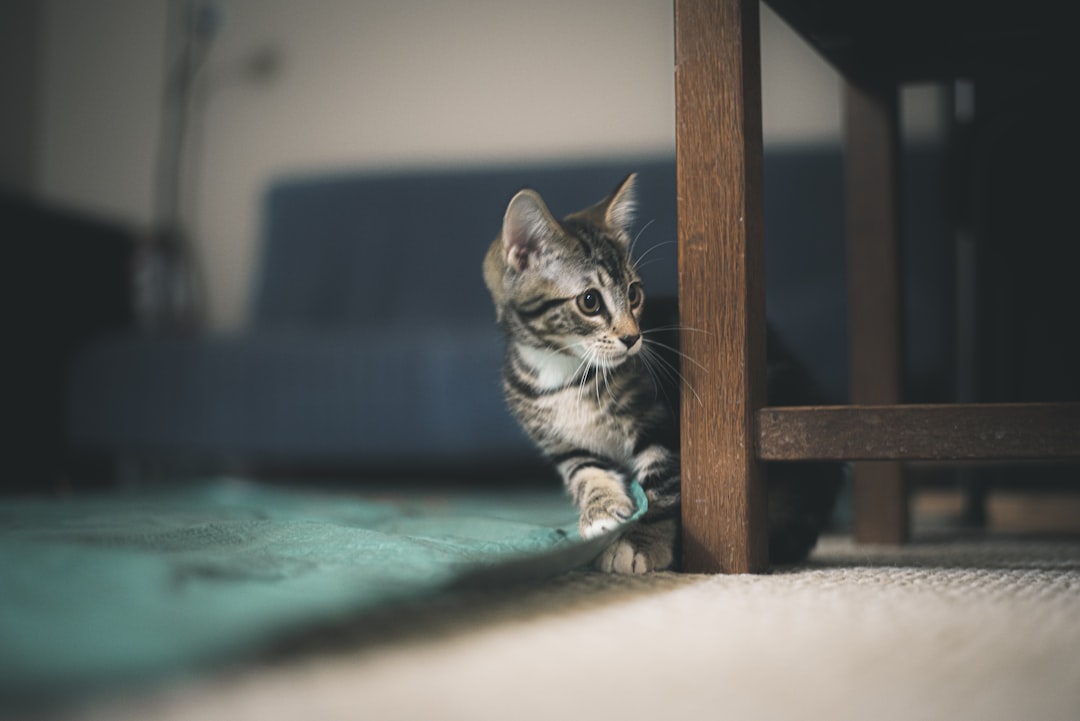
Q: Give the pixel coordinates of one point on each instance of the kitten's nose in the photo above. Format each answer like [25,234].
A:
[630,340]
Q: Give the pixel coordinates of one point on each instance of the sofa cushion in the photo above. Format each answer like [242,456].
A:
[371,396]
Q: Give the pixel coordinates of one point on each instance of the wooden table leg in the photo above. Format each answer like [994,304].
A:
[875,299]
[721,283]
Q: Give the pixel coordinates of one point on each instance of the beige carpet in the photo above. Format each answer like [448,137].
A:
[986,630]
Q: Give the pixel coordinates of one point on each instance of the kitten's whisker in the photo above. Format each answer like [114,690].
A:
[639,266]
[601,375]
[646,363]
[606,377]
[583,369]
[566,347]
[661,328]
[661,366]
[653,364]
[597,370]
[602,380]
[608,373]
[667,366]
[676,351]
[635,240]
[646,253]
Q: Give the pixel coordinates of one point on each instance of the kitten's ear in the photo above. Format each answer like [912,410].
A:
[620,206]
[527,226]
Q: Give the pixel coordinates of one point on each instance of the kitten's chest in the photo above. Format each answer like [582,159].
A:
[591,414]
[592,420]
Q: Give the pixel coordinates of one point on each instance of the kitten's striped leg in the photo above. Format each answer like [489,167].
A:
[651,544]
[598,490]
[657,470]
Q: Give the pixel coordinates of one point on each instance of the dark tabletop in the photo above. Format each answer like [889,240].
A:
[922,40]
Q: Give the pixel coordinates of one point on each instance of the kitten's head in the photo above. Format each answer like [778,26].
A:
[569,286]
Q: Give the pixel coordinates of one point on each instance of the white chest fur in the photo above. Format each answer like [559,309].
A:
[579,414]
[553,370]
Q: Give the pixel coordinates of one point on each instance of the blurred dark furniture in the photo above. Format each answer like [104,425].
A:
[730,434]
[66,280]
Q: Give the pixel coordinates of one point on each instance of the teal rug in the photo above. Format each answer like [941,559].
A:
[121,589]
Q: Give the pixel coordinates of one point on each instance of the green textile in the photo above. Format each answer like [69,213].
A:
[129,587]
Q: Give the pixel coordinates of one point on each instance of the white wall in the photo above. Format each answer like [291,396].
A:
[18,93]
[372,83]
[413,82]
[98,112]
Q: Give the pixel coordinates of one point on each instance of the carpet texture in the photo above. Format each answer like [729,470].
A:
[935,630]
[121,589]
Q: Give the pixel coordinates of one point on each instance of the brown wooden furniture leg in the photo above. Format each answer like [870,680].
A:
[721,283]
[875,310]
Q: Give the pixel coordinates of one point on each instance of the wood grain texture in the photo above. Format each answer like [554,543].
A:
[984,431]
[875,301]
[721,283]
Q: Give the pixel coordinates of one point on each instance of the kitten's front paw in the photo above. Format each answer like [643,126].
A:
[648,547]
[606,513]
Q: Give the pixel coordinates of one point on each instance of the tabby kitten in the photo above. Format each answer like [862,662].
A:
[578,378]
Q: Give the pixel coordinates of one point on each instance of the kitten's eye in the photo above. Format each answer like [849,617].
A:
[635,295]
[590,302]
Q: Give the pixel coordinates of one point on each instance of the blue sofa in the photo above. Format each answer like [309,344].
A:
[371,340]
[371,343]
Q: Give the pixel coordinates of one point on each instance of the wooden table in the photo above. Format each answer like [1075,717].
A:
[727,432]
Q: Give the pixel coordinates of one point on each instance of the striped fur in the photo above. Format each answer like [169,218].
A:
[585,383]
[570,301]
